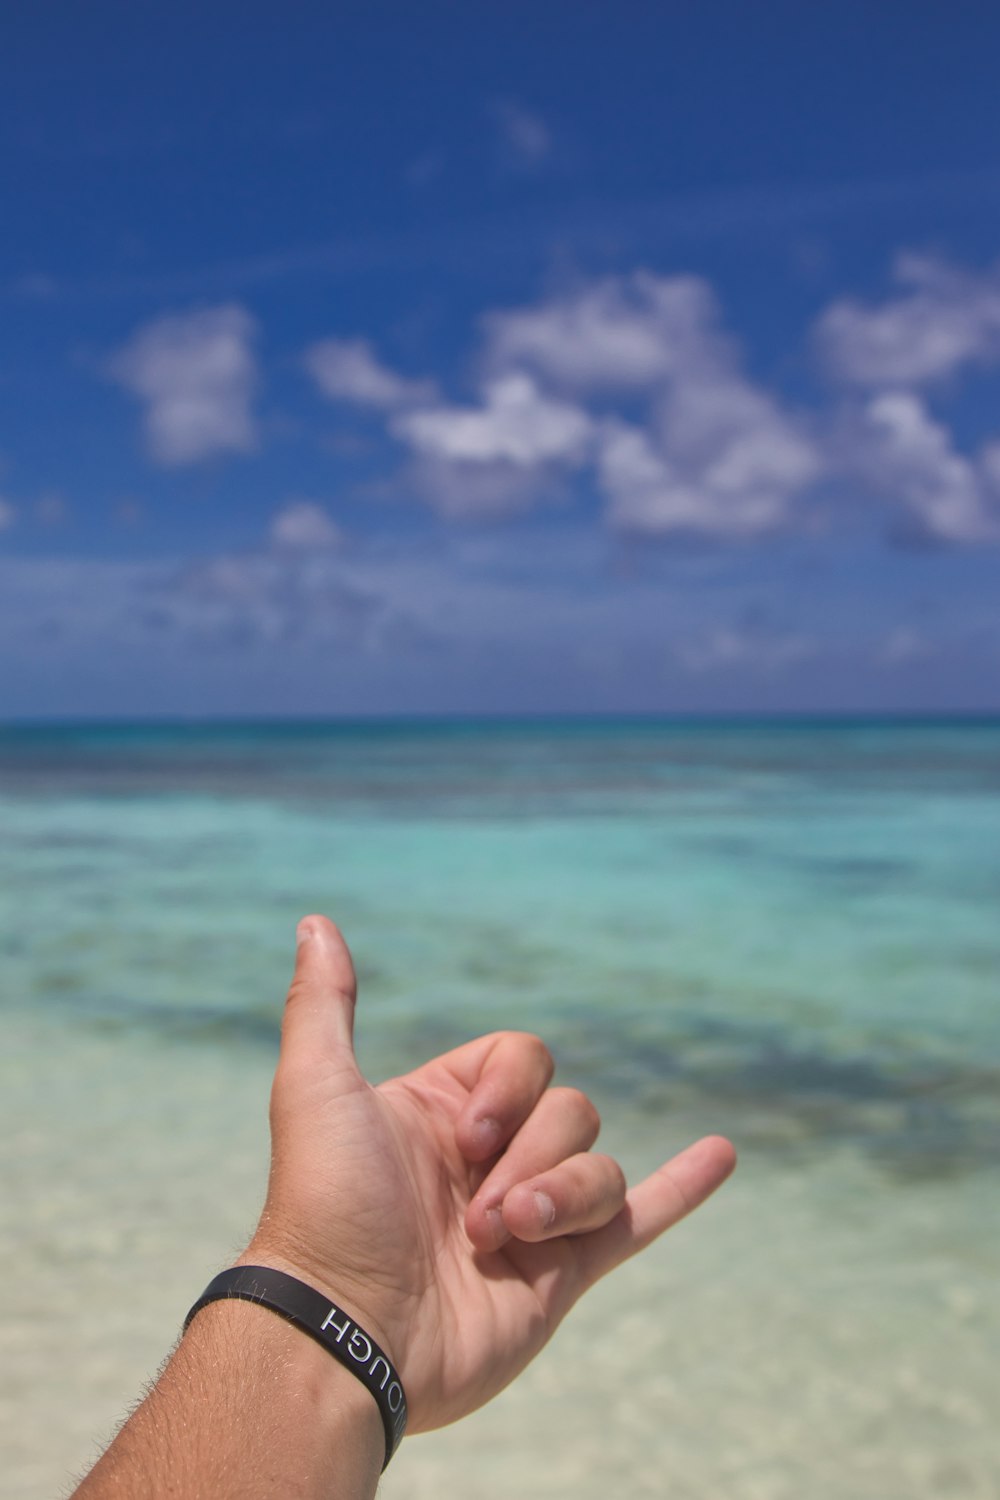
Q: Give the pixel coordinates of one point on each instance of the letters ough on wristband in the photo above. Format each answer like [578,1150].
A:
[329,1325]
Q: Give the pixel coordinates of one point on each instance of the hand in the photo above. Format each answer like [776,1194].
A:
[457,1212]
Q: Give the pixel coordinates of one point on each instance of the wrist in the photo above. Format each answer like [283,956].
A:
[342,1288]
[327,1322]
[271,1355]
[306,1403]
[248,1406]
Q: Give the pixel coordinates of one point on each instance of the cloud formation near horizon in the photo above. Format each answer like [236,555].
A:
[633,385]
[195,374]
[890,357]
[632,389]
[348,370]
[944,318]
[629,382]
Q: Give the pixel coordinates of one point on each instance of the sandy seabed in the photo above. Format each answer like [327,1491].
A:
[817,1331]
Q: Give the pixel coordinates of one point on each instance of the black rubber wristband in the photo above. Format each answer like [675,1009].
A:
[329,1325]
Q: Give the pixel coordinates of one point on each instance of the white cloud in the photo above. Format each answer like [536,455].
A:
[516,424]
[620,333]
[498,458]
[348,370]
[731,448]
[989,465]
[904,452]
[732,473]
[714,454]
[720,459]
[633,382]
[304,526]
[649,493]
[196,374]
[8,514]
[480,490]
[946,318]
[642,485]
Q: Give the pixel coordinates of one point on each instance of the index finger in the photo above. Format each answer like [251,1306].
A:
[506,1078]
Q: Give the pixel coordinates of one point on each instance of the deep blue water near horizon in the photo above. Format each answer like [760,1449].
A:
[789,925]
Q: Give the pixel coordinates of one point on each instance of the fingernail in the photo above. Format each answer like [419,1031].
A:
[486,1135]
[494,1219]
[304,932]
[546,1209]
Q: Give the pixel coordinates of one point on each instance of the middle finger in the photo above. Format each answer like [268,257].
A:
[563,1123]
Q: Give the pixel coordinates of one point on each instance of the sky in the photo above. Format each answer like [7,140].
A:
[559,357]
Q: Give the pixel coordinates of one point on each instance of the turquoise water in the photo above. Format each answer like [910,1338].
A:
[787,932]
[799,922]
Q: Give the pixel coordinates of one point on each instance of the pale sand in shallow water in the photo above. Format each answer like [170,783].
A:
[790,1340]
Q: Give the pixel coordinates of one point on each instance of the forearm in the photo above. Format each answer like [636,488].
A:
[247,1407]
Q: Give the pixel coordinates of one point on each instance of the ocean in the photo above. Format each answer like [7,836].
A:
[783,931]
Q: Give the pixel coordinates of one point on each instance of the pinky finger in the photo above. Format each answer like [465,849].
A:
[657,1203]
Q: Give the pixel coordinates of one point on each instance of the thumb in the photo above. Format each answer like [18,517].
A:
[318,1024]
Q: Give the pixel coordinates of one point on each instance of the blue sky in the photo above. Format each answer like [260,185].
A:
[464,358]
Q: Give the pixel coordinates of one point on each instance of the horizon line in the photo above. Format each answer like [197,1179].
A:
[448,718]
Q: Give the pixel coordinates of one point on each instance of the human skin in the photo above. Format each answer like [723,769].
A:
[456,1213]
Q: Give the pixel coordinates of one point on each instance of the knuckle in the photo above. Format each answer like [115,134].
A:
[296,992]
[538,1051]
[581,1108]
[615,1176]
[532,1050]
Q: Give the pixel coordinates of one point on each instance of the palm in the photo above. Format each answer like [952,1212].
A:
[479,1316]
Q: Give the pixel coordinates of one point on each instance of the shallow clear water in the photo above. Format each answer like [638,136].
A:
[786,932]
